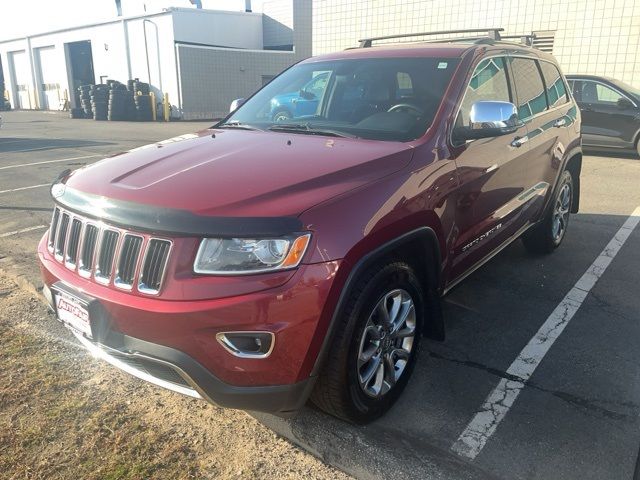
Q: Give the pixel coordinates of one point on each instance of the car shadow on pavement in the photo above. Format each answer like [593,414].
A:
[490,317]
[21,144]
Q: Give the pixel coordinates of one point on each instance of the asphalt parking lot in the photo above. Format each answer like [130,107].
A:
[576,417]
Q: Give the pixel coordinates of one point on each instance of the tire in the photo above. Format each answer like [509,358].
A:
[549,233]
[348,388]
[282,116]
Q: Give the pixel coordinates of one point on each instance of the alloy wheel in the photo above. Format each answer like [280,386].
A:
[386,343]
[561,213]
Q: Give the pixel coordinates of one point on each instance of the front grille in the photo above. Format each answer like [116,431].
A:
[154,265]
[108,254]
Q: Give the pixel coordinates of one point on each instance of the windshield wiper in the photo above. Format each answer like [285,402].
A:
[307,129]
[236,124]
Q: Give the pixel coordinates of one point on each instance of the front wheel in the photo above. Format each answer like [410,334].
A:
[375,347]
[549,233]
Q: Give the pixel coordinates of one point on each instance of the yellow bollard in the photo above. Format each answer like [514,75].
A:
[166,107]
[152,98]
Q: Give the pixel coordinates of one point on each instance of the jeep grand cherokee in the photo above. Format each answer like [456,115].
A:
[266,261]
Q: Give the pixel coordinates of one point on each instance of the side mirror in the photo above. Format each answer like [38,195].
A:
[236,104]
[489,119]
[624,102]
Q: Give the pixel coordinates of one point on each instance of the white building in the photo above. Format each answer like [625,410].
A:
[599,37]
[202,59]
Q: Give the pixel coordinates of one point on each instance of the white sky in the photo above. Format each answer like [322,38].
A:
[25,17]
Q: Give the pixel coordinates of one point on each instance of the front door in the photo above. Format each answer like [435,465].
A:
[493,174]
[609,118]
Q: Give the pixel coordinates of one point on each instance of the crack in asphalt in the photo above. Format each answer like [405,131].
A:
[575,400]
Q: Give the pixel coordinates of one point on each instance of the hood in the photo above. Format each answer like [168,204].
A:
[235,173]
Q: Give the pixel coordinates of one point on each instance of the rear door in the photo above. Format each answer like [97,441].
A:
[545,108]
[609,117]
[492,172]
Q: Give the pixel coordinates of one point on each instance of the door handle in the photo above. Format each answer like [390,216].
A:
[519,141]
[561,122]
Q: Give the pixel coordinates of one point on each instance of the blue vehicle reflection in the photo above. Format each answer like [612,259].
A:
[302,103]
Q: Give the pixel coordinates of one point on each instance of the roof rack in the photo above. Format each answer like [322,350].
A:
[493,33]
[524,39]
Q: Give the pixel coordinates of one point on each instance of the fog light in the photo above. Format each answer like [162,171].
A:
[247,344]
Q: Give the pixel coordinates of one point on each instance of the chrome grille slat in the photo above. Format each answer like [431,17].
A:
[54,228]
[88,249]
[108,255]
[71,257]
[154,266]
[127,262]
[61,236]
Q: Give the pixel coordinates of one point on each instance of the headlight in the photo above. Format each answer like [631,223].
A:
[237,256]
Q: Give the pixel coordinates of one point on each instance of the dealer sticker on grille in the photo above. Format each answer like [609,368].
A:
[72,313]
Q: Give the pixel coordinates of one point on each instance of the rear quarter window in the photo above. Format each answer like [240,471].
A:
[531,92]
[556,89]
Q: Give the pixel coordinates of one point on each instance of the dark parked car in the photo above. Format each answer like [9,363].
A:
[610,112]
[261,263]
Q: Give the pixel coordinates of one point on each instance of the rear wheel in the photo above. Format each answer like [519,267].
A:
[549,233]
[375,348]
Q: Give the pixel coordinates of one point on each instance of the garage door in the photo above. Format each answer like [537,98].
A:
[20,79]
[51,71]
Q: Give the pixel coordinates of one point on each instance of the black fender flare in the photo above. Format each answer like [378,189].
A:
[435,327]
[575,151]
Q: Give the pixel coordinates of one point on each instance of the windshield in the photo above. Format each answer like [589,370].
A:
[381,98]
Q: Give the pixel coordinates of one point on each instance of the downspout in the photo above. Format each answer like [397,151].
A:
[146,49]
[125,29]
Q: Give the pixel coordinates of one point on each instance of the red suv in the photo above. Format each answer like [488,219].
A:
[261,263]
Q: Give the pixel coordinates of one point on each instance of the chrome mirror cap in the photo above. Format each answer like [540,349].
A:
[487,119]
[493,114]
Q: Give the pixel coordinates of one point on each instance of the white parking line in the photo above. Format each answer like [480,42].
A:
[25,188]
[49,161]
[471,442]
[24,230]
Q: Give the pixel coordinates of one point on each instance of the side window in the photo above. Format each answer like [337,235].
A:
[405,86]
[489,82]
[556,90]
[531,97]
[576,89]
[317,85]
[600,93]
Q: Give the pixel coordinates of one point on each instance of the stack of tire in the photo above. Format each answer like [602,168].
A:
[142,100]
[99,99]
[84,93]
[118,99]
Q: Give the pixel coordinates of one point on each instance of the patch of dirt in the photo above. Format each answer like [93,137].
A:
[65,415]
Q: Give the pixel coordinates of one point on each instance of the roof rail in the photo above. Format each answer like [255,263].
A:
[493,33]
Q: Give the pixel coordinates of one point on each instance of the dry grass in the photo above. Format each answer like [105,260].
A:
[65,415]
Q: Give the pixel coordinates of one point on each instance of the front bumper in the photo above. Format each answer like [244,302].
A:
[173,343]
[176,371]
